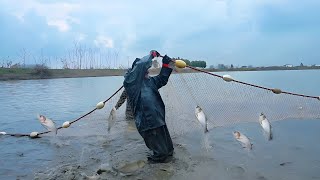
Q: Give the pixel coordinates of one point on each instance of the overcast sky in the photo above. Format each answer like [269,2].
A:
[239,32]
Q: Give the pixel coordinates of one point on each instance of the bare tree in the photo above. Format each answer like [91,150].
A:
[86,59]
[79,53]
[35,59]
[91,58]
[116,57]
[42,59]
[69,59]
[108,63]
[65,64]
[8,62]
[48,61]
[56,60]
[100,58]
[84,53]
[75,51]
[23,54]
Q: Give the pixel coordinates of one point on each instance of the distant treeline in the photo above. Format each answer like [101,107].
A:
[269,68]
[201,64]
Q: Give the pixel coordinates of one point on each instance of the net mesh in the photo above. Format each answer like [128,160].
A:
[224,103]
[227,103]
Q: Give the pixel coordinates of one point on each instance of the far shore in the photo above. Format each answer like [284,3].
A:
[28,74]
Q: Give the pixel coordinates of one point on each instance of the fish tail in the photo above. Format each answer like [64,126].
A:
[270,136]
[38,116]
[206,127]
[206,130]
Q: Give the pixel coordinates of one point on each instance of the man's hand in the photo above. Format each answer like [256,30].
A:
[167,62]
[166,59]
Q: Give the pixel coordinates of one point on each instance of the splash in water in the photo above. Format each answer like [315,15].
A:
[205,142]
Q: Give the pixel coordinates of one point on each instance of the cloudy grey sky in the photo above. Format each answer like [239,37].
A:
[239,32]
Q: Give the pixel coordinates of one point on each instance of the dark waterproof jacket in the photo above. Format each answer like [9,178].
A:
[143,94]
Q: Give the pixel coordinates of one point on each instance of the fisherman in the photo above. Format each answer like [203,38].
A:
[147,105]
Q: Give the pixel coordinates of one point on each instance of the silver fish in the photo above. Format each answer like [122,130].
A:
[266,126]
[201,118]
[243,139]
[47,123]
[111,119]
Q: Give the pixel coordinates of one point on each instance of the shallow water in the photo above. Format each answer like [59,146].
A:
[291,145]
[289,156]
[86,145]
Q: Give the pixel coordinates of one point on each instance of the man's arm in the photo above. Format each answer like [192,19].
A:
[138,72]
[163,77]
[134,78]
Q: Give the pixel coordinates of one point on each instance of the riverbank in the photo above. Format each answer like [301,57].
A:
[28,74]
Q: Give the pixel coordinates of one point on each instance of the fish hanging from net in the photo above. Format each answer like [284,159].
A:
[223,99]
[227,101]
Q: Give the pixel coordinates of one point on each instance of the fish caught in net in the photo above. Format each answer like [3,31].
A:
[226,103]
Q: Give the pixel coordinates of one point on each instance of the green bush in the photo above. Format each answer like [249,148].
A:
[41,70]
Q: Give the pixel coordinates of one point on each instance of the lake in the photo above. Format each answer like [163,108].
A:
[86,145]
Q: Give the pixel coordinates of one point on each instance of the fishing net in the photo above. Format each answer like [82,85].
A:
[227,103]
[223,102]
